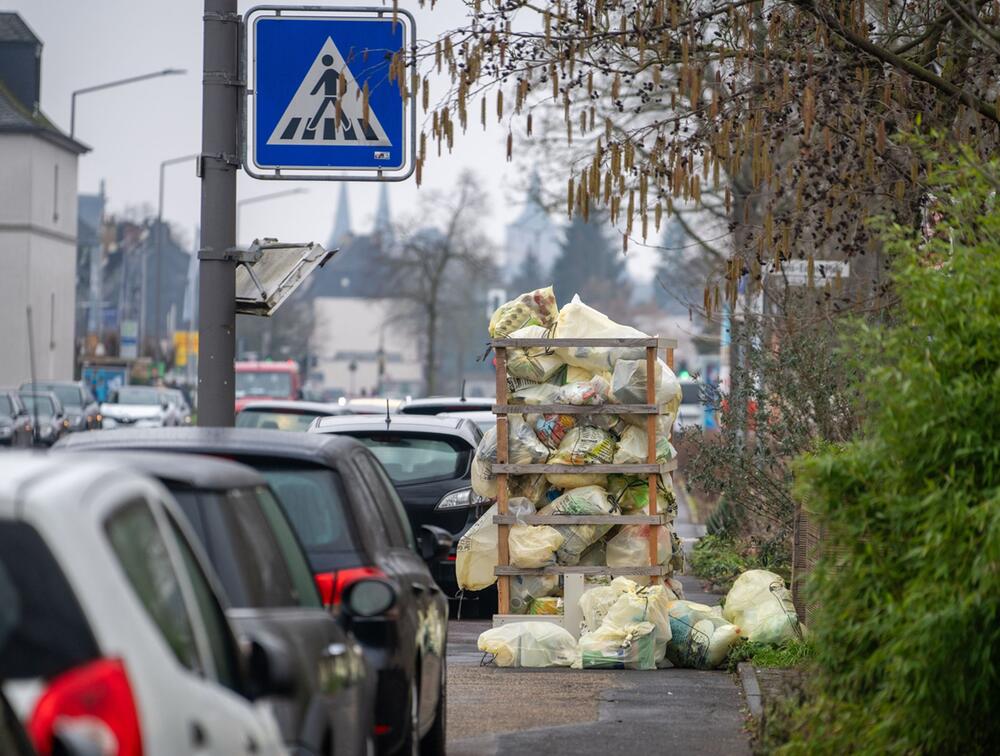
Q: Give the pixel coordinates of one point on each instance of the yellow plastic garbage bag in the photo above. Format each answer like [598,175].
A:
[762,606]
[527,588]
[523,447]
[699,636]
[582,445]
[644,605]
[588,500]
[577,320]
[532,363]
[529,644]
[597,601]
[632,447]
[476,554]
[612,647]
[594,392]
[631,494]
[536,307]
[630,546]
[533,545]
[536,393]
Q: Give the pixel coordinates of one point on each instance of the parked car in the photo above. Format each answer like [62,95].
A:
[432,405]
[286,415]
[484,419]
[48,418]
[429,460]
[179,402]
[352,524]
[138,407]
[265,575]
[15,421]
[113,630]
[82,409]
[372,405]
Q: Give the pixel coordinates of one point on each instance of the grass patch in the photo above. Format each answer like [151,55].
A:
[719,560]
[789,654]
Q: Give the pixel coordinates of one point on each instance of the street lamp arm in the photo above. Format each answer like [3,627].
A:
[116,83]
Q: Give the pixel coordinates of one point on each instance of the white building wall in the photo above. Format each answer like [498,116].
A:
[37,257]
[347,329]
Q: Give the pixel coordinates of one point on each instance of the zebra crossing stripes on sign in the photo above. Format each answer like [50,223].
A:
[328,91]
[323,94]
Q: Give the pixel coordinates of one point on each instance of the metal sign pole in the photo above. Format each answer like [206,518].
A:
[219,160]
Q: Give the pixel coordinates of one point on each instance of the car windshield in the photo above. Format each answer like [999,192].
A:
[314,502]
[269,383]
[43,406]
[275,419]
[70,396]
[138,395]
[435,408]
[409,459]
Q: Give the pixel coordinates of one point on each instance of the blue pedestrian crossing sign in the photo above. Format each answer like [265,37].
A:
[326,97]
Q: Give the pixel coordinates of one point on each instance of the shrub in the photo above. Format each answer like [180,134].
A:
[907,632]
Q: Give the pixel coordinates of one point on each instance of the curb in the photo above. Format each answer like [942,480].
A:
[751,688]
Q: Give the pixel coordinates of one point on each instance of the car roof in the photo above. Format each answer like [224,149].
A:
[431,401]
[192,470]
[448,426]
[332,408]
[304,447]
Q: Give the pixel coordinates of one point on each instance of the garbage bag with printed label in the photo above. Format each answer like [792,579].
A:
[762,606]
[476,554]
[644,605]
[614,647]
[588,500]
[532,363]
[546,605]
[551,429]
[595,392]
[536,307]
[582,445]
[523,447]
[529,644]
[577,320]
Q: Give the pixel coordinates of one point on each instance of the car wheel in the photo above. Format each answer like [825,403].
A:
[412,743]
[434,741]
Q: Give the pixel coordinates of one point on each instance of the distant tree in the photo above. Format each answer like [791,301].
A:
[590,265]
[531,275]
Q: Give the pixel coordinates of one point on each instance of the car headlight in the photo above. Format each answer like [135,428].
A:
[463,498]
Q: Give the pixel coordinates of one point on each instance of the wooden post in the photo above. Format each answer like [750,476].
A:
[503,531]
[654,531]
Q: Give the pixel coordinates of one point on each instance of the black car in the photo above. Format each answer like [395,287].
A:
[82,410]
[429,460]
[48,418]
[271,592]
[353,527]
[15,421]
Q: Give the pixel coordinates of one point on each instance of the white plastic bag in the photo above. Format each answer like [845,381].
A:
[532,363]
[529,644]
[595,392]
[762,606]
[577,320]
[588,500]
[536,307]
[476,554]
[618,647]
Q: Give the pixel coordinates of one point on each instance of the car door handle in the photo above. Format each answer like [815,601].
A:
[199,738]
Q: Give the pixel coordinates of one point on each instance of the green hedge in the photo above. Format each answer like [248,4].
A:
[907,636]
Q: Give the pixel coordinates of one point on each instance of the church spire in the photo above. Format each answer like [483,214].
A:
[342,221]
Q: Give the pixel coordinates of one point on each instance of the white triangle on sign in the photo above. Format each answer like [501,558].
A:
[311,115]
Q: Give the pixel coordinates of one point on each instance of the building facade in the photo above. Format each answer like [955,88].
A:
[38,219]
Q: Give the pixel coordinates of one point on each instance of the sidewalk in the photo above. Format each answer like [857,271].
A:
[556,712]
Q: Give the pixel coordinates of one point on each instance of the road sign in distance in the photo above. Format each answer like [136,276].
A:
[325,101]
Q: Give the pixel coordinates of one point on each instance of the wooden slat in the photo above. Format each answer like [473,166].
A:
[557,569]
[503,531]
[653,341]
[634,469]
[613,519]
[575,409]
[654,533]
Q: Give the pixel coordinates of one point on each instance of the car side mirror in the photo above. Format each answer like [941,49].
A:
[434,543]
[269,667]
[369,597]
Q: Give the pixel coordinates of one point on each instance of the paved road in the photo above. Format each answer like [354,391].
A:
[551,712]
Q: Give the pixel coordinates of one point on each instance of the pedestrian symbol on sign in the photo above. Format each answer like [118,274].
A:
[311,115]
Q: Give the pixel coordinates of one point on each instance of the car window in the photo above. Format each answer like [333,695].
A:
[6,406]
[291,548]
[275,419]
[390,509]
[416,459]
[42,405]
[262,563]
[139,546]
[220,637]
[43,630]
[140,395]
[314,500]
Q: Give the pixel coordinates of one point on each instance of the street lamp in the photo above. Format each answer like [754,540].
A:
[159,251]
[109,85]
[263,198]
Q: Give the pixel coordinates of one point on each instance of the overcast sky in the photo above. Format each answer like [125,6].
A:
[131,129]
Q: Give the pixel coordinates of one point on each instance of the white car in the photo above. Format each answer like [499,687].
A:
[138,407]
[112,637]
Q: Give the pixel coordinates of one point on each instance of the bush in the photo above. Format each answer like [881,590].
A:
[906,633]
[791,653]
[719,560]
